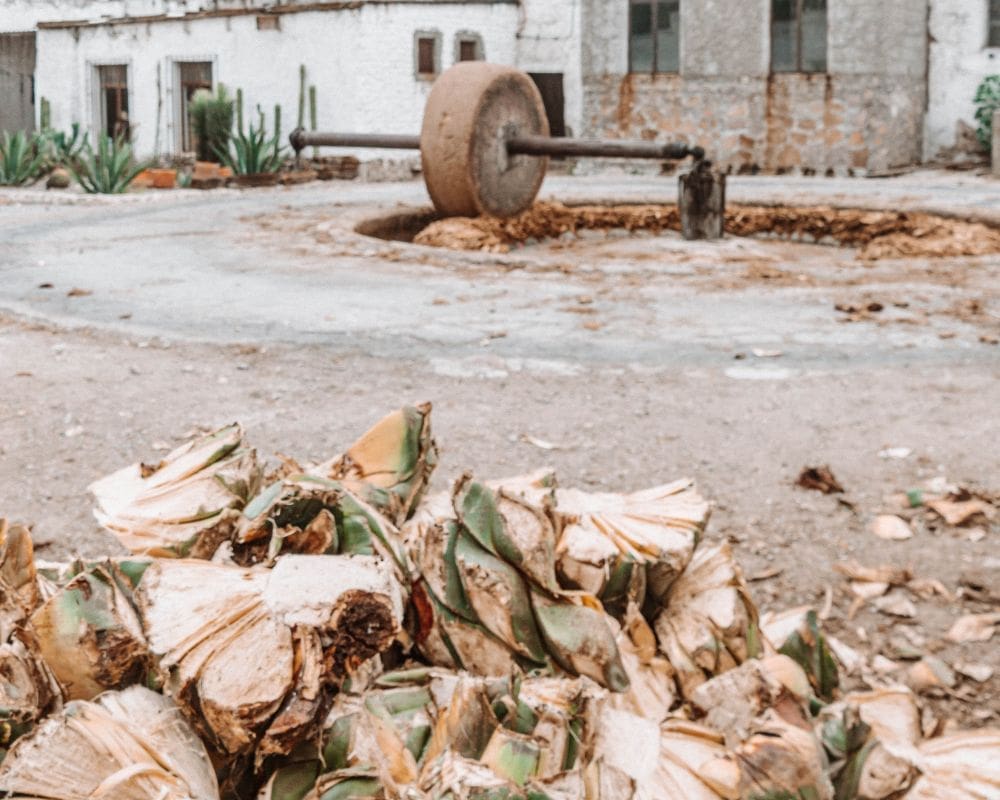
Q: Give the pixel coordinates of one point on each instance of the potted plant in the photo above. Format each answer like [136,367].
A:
[212,123]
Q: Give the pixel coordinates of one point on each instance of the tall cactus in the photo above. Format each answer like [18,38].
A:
[313,115]
[239,111]
[277,130]
[46,114]
[302,96]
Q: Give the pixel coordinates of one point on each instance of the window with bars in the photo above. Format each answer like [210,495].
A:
[113,100]
[192,76]
[654,36]
[994,38]
[798,36]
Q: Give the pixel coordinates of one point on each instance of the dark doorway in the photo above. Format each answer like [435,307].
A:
[17,82]
[550,84]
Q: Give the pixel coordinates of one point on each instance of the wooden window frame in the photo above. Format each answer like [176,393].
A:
[993,24]
[184,135]
[654,11]
[799,7]
[436,38]
[100,104]
[469,37]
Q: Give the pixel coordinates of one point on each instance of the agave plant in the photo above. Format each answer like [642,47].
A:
[20,159]
[109,169]
[253,152]
[185,505]
[488,599]
[391,465]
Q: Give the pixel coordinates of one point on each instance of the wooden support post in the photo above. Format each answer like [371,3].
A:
[703,203]
[996,143]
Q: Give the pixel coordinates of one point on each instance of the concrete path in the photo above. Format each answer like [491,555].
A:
[283,265]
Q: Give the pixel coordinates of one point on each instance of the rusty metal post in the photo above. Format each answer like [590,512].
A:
[702,202]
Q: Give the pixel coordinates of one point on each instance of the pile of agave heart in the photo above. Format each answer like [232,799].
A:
[327,632]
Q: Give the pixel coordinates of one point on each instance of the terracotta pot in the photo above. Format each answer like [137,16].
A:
[163,178]
[298,176]
[143,180]
[256,179]
[205,170]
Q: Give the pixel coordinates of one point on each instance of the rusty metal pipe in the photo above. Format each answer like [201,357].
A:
[600,148]
[516,145]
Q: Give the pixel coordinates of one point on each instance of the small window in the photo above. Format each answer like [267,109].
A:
[114,119]
[654,36]
[192,76]
[994,40]
[467,51]
[469,46]
[798,35]
[428,58]
[268,22]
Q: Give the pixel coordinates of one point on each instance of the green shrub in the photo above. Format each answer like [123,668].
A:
[212,121]
[107,170]
[61,148]
[253,152]
[987,101]
[20,159]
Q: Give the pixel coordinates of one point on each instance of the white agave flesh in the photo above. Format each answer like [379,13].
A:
[128,745]
[691,764]
[961,766]
[652,692]
[209,625]
[733,701]
[707,613]
[660,525]
[118,490]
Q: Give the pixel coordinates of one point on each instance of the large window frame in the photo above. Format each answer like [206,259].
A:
[658,10]
[798,63]
[188,83]
[993,24]
[112,92]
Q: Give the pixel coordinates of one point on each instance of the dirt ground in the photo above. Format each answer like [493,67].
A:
[76,406]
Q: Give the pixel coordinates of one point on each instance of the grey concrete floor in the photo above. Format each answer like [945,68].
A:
[280,265]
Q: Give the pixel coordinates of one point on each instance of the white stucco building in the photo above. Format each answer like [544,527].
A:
[819,85]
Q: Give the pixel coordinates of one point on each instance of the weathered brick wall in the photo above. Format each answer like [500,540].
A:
[865,114]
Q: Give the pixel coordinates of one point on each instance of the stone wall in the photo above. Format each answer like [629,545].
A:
[865,114]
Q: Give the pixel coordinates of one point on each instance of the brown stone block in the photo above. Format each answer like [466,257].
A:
[859,158]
